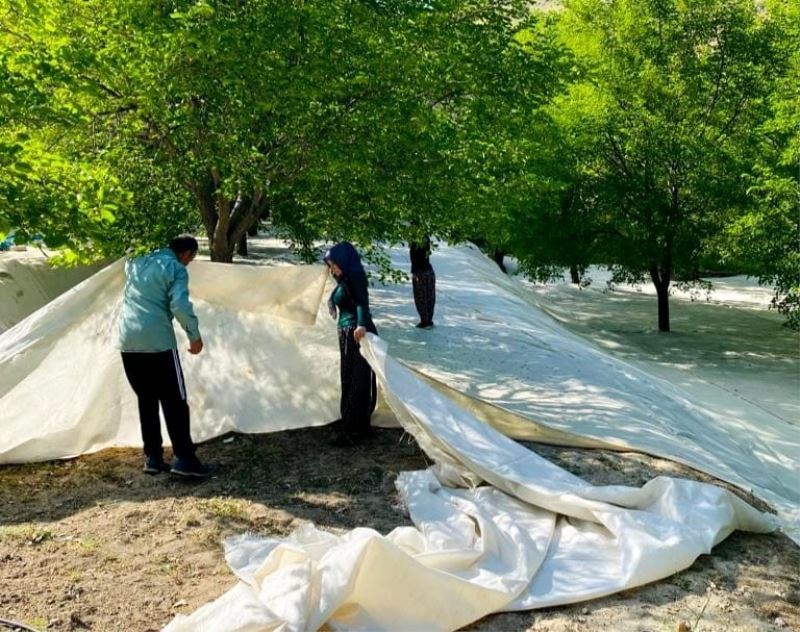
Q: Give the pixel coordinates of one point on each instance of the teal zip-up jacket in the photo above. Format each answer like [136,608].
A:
[156,291]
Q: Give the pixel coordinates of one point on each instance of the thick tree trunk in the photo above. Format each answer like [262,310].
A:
[575,274]
[661,276]
[241,247]
[226,220]
[220,248]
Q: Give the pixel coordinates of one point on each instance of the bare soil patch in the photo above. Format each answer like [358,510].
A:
[93,543]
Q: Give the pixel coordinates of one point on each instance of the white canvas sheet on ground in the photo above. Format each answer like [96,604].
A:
[542,534]
[537,536]
[494,341]
[63,393]
[266,365]
[27,283]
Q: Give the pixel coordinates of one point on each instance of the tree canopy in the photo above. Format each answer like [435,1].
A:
[656,136]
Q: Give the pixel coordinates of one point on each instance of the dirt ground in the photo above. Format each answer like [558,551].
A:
[94,544]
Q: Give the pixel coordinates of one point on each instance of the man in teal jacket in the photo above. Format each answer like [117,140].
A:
[156,291]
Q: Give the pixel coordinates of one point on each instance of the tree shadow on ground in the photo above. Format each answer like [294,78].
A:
[283,470]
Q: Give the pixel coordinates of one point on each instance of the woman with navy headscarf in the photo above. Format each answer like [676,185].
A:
[350,300]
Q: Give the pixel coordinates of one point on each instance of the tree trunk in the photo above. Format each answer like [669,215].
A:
[575,274]
[663,307]
[227,220]
[221,249]
[253,230]
[241,247]
[661,276]
[498,259]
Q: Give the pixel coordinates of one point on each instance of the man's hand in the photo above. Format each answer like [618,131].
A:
[359,333]
[195,346]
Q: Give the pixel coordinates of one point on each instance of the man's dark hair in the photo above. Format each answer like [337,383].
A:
[183,243]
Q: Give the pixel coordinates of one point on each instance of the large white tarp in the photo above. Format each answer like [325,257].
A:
[266,368]
[535,536]
[494,342]
[268,364]
[27,282]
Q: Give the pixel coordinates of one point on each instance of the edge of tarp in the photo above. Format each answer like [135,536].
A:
[513,424]
[523,428]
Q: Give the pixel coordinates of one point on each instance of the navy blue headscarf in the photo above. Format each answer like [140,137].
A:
[347,258]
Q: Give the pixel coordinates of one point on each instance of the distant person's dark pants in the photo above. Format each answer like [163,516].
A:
[157,378]
[359,388]
[424,284]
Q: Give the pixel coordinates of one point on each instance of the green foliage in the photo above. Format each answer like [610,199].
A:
[766,239]
[505,160]
[425,156]
[651,135]
[336,118]
[672,96]
[44,188]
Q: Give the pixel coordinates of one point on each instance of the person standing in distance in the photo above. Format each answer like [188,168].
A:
[423,281]
[156,291]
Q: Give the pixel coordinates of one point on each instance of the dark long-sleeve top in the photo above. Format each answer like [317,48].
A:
[351,296]
[419,254]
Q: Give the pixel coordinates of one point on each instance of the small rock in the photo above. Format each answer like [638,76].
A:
[585,611]
[780,622]
[76,621]
[684,627]
[180,604]
[387,484]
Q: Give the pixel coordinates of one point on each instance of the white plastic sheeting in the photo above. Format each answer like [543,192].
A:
[63,391]
[536,536]
[493,341]
[27,282]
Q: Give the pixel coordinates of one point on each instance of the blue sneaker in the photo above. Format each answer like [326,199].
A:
[155,465]
[191,467]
